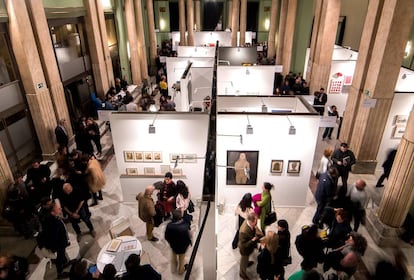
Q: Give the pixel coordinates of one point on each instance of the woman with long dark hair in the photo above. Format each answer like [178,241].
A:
[242,210]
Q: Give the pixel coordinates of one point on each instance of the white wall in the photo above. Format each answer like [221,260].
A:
[210,38]
[177,133]
[190,51]
[272,141]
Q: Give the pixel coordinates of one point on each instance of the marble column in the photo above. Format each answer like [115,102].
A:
[142,51]
[314,38]
[151,32]
[47,56]
[31,72]
[6,177]
[197,15]
[379,78]
[235,22]
[271,49]
[181,12]
[133,42]
[105,47]
[281,35]
[321,59]
[95,49]
[229,14]
[190,22]
[243,19]
[288,36]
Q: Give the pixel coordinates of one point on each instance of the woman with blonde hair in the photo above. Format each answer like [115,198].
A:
[325,162]
[267,263]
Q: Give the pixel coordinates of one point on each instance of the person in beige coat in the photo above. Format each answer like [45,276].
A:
[146,210]
[95,179]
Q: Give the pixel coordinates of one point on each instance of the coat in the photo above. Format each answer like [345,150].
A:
[146,208]
[178,236]
[95,177]
[246,234]
[265,205]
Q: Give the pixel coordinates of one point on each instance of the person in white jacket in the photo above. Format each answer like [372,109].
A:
[359,200]
[325,162]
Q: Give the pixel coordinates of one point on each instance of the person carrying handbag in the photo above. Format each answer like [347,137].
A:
[265,204]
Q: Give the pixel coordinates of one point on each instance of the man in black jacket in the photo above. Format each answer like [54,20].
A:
[343,159]
[178,236]
[61,134]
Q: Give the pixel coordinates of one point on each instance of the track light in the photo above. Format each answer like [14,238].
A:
[292,129]
[249,128]
[264,107]
[151,128]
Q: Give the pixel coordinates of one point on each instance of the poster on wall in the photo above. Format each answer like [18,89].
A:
[335,86]
[242,167]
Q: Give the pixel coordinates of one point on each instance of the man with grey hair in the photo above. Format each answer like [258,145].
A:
[359,200]
[146,210]
[61,133]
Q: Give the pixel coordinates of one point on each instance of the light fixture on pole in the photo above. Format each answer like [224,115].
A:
[292,129]
[249,128]
[264,107]
[151,128]
[233,135]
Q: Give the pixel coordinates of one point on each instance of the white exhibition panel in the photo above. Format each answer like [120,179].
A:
[405,82]
[202,78]
[190,51]
[245,80]
[176,133]
[341,53]
[254,104]
[271,139]
[210,38]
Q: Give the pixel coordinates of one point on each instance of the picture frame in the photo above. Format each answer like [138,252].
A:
[139,156]
[400,120]
[398,131]
[165,168]
[148,156]
[174,156]
[177,171]
[189,158]
[128,156]
[149,171]
[157,156]
[242,167]
[276,166]
[294,166]
[132,171]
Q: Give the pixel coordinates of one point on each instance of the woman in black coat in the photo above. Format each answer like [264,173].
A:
[310,246]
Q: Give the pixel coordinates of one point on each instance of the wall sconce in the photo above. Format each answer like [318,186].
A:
[292,129]
[267,24]
[162,24]
[249,128]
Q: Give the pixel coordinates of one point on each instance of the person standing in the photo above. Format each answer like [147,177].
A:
[265,203]
[325,162]
[387,165]
[38,181]
[178,236]
[243,209]
[146,210]
[249,235]
[267,266]
[61,134]
[136,271]
[283,252]
[359,200]
[343,159]
[242,169]
[167,194]
[320,100]
[95,179]
[332,112]
[93,130]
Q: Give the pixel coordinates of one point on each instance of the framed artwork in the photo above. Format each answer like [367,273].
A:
[148,156]
[157,156]
[177,171]
[165,168]
[149,171]
[139,156]
[398,131]
[276,166]
[132,171]
[242,167]
[400,120]
[176,157]
[128,156]
[293,166]
[189,158]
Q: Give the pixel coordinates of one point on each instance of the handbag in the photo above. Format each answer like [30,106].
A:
[288,260]
[271,217]
[190,207]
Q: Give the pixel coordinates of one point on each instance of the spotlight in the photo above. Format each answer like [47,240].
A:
[292,130]
[151,129]
[249,129]
[264,108]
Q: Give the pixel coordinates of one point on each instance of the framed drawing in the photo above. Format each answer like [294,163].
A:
[139,156]
[177,171]
[165,168]
[149,171]
[157,156]
[242,167]
[398,131]
[176,158]
[148,156]
[276,166]
[132,171]
[293,166]
[189,158]
[128,156]
[400,119]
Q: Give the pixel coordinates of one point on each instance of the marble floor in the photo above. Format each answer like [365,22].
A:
[157,253]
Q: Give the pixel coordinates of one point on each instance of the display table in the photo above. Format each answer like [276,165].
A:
[117,251]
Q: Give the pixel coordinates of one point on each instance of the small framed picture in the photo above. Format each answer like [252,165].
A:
[148,156]
[398,131]
[149,171]
[176,158]
[400,119]
[177,171]
[128,156]
[276,166]
[293,166]
[139,156]
[165,168]
[189,158]
[132,171]
[157,156]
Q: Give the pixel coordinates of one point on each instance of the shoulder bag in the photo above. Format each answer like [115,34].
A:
[271,217]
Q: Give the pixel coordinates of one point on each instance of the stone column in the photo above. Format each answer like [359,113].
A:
[243,19]
[33,79]
[95,49]
[320,62]
[6,178]
[151,32]
[133,43]
[235,22]
[181,11]
[229,14]
[197,15]
[381,74]
[105,47]
[190,23]
[271,49]
[142,51]
[48,59]
[281,35]
[288,36]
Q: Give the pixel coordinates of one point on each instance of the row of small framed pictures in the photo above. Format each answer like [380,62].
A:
[137,156]
[277,166]
[151,171]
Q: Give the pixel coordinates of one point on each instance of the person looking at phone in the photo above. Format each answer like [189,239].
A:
[84,270]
